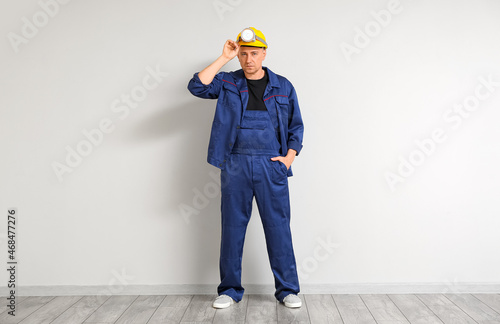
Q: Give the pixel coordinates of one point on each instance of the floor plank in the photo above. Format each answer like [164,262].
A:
[235,314]
[51,310]
[476,309]
[200,310]
[383,309]
[262,309]
[25,308]
[414,310]
[492,300]
[176,301]
[352,309]
[81,310]
[141,310]
[322,309]
[447,312]
[171,310]
[4,301]
[111,309]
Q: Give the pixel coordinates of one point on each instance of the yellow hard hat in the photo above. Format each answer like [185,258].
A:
[251,37]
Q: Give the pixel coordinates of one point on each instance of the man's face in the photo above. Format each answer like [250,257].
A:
[251,58]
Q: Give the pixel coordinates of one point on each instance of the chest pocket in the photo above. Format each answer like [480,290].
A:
[282,106]
[231,96]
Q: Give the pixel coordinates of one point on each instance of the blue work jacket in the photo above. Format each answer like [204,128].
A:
[230,88]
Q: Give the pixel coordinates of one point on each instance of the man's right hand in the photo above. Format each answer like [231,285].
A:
[230,49]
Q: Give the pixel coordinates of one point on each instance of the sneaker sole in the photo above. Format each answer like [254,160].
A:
[222,305]
[295,305]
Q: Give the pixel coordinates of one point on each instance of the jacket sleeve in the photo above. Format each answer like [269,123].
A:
[295,124]
[205,91]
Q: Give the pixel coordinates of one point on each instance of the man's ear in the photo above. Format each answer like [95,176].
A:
[264,52]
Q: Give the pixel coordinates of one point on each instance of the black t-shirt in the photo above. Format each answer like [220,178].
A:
[256,93]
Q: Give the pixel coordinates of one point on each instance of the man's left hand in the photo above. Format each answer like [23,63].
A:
[288,159]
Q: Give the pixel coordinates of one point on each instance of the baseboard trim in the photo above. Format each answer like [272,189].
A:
[354,288]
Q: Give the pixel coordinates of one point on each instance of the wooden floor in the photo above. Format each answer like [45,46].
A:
[338,308]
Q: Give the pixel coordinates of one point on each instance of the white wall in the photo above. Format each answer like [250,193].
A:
[118,211]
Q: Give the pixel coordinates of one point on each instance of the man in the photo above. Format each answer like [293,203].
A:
[256,133]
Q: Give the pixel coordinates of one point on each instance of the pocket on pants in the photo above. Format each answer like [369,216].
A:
[279,172]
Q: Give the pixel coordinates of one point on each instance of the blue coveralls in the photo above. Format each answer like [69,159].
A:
[250,172]
[242,143]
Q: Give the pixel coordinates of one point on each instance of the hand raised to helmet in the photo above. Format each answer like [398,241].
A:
[230,49]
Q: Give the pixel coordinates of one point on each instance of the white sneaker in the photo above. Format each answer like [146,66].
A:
[222,301]
[292,301]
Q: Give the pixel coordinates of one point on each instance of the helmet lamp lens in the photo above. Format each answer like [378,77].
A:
[247,35]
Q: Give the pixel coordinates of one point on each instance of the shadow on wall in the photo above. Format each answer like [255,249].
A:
[186,176]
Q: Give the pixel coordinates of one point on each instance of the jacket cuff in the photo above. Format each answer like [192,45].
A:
[295,146]
[198,82]
[197,78]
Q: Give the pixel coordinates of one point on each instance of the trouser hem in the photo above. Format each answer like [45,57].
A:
[233,294]
[280,296]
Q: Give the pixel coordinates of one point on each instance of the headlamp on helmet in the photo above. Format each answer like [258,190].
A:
[248,35]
